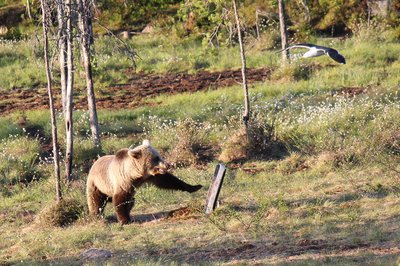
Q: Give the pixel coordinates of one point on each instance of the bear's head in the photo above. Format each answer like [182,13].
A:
[148,159]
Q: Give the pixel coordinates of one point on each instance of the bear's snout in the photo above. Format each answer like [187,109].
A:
[162,168]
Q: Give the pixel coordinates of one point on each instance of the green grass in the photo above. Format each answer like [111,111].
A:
[20,61]
[331,199]
[332,209]
[21,64]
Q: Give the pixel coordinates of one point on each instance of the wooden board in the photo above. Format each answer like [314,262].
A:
[215,188]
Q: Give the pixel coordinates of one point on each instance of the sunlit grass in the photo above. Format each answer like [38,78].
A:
[19,65]
[336,187]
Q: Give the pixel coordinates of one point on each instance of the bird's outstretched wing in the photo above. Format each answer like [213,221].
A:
[334,54]
[300,45]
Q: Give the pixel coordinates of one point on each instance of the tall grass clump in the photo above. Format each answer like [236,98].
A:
[191,140]
[184,142]
[257,141]
[62,213]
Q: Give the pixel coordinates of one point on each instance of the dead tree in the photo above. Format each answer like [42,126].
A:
[283,28]
[62,48]
[246,112]
[85,14]
[69,91]
[45,10]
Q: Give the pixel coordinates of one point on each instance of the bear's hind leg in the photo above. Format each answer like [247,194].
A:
[123,203]
[96,201]
[169,181]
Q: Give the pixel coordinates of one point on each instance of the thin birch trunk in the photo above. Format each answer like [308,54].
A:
[85,16]
[69,93]
[246,112]
[51,102]
[62,47]
[28,9]
[257,26]
[283,28]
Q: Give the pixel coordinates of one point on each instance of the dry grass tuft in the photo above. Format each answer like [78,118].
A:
[236,147]
[191,147]
[257,141]
[62,213]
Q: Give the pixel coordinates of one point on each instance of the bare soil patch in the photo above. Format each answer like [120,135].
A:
[140,87]
[350,91]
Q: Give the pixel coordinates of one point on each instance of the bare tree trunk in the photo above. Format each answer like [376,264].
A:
[28,9]
[62,47]
[284,37]
[246,112]
[85,17]
[69,93]
[51,101]
[257,26]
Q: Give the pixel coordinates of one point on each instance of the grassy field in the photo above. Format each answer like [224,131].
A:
[319,185]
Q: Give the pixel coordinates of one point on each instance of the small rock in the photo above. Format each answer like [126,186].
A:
[95,253]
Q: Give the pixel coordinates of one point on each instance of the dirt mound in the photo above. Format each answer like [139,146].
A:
[140,87]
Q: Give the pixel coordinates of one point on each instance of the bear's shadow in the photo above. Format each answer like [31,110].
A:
[143,218]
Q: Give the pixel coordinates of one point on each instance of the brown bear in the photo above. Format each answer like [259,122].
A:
[115,178]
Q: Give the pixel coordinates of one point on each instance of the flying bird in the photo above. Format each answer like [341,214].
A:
[316,50]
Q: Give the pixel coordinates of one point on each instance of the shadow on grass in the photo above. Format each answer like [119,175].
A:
[237,252]
[157,216]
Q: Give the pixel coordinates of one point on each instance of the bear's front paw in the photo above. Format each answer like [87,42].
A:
[124,220]
[194,188]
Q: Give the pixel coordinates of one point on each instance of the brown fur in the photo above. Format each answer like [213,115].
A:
[117,177]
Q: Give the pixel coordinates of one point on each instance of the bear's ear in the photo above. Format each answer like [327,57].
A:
[135,153]
[146,143]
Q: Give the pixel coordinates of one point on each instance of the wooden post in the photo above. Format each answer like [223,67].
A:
[215,188]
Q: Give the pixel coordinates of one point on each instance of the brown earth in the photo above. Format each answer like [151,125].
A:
[139,88]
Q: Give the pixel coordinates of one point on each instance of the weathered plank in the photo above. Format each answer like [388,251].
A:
[215,188]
